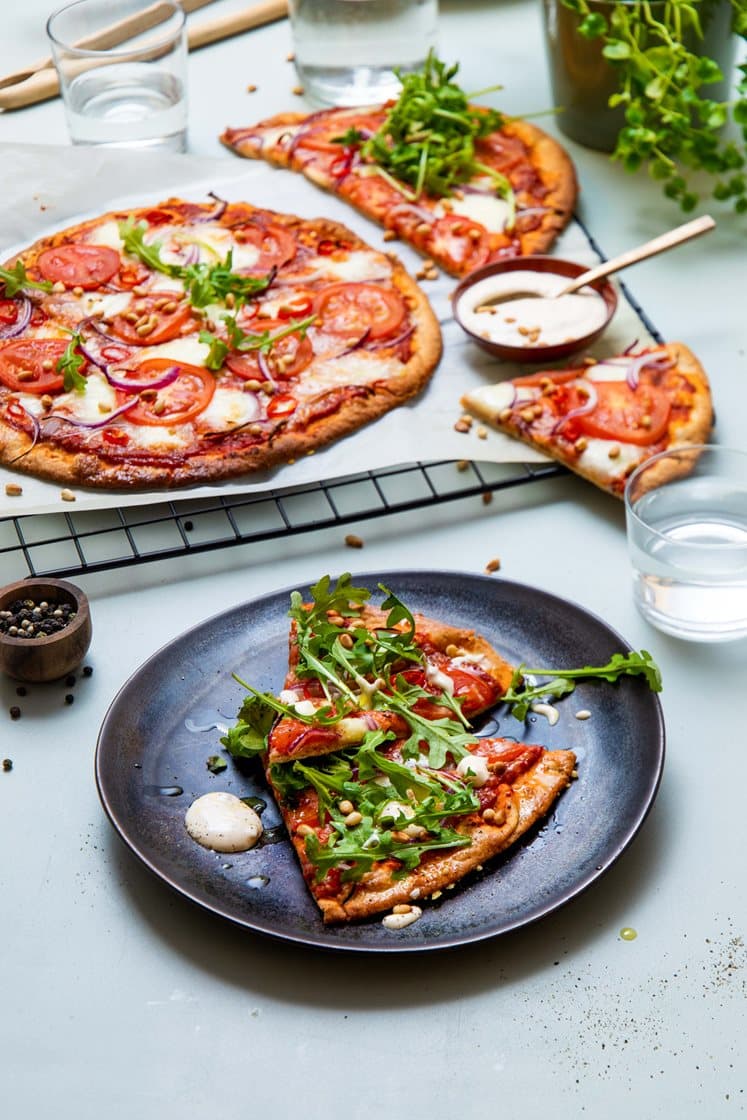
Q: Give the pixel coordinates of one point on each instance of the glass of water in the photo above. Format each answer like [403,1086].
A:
[686,514]
[126,94]
[346,50]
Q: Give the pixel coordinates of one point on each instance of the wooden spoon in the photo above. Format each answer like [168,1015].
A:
[650,249]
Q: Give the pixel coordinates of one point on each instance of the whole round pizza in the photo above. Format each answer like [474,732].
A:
[191,342]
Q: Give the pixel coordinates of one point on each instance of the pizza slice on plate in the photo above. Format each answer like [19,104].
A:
[375,828]
[386,792]
[445,670]
[604,417]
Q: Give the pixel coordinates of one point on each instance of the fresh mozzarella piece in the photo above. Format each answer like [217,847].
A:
[213,242]
[289,696]
[604,372]
[228,409]
[188,349]
[596,455]
[155,438]
[499,396]
[357,368]
[305,707]
[108,304]
[93,405]
[438,679]
[223,823]
[487,209]
[106,234]
[471,659]
[473,768]
[395,810]
[359,266]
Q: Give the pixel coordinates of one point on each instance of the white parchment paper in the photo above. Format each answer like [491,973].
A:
[47,188]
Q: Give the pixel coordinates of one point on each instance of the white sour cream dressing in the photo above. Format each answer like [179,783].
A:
[534,321]
[223,823]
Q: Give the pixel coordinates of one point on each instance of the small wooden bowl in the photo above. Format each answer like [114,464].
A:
[535,354]
[54,656]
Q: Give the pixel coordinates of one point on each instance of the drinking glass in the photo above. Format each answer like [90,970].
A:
[129,95]
[346,50]
[686,515]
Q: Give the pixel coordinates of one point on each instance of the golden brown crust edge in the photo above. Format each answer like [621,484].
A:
[696,429]
[57,464]
[531,799]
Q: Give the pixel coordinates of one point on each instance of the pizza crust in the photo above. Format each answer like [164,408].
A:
[695,428]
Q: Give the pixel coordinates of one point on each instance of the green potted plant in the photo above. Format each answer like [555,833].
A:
[649,80]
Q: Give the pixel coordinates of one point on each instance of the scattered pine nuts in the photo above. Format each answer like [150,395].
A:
[298,90]
[67,495]
[352,541]
[251,88]
[13,490]
[493,565]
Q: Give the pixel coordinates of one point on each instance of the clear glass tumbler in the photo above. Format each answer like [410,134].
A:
[346,50]
[686,514]
[129,94]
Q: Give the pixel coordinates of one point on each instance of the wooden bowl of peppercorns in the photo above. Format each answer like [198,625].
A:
[45,629]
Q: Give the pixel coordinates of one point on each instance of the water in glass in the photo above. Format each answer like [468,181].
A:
[346,49]
[689,557]
[132,105]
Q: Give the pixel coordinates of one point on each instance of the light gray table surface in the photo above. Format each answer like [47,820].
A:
[119,998]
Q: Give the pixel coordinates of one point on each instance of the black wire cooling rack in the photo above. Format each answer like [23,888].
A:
[66,544]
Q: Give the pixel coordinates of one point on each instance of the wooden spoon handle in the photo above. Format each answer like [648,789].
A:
[649,249]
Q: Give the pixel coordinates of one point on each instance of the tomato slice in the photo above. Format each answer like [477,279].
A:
[462,243]
[321,137]
[638,416]
[349,309]
[30,356]
[177,403]
[276,246]
[79,265]
[297,306]
[288,357]
[166,309]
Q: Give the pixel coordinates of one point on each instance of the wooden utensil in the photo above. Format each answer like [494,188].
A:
[44,83]
[650,249]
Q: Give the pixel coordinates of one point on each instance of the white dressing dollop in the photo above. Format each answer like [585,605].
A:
[223,823]
[543,319]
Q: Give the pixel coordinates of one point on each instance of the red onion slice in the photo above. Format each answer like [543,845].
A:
[410,208]
[659,359]
[11,330]
[95,325]
[381,343]
[93,424]
[264,368]
[130,386]
[591,403]
[218,210]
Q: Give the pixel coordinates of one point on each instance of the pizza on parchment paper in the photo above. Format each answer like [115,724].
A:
[187,343]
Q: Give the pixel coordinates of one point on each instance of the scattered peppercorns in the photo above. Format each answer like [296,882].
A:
[88,670]
[7,764]
[27,619]
[70,680]
[69,698]
[21,690]
[15,712]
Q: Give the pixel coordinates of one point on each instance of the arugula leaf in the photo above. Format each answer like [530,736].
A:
[428,137]
[520,697]
[69,364]
[15,279]
[248,737]
[216,763]
[132,234]
[203,283]
[218,350]
[244,341]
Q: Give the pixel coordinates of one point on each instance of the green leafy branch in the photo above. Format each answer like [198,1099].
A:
[520,696]
[671,126]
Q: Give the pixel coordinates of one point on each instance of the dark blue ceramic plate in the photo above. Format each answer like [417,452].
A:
[161,728]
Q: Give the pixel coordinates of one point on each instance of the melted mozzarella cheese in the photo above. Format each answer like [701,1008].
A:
[473,769]
[228,409]
[440,680]
[359,265]
[106,234]
[108,304]
[156,438]
[596,455]
[223,823]
[188,349]
[496,397]
[487,209]
[93,405]
[357,368]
